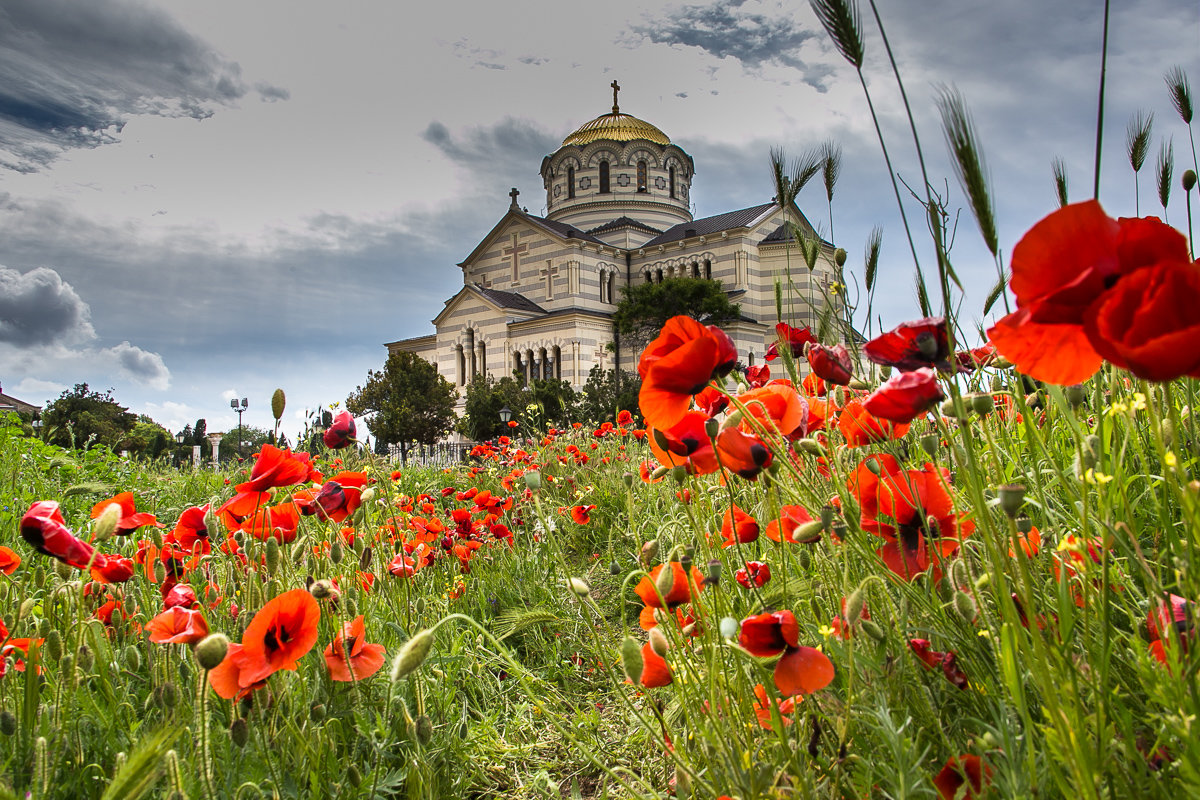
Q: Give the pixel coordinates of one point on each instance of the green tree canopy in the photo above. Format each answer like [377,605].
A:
[645,307]
[603,396]
[406,401]
[80,417]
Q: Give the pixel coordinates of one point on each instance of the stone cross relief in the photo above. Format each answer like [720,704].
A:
[515,251]
[548,272]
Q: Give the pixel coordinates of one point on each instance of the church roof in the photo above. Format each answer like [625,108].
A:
[623,222]
[563,229]
[511,300]
[616,127]
[705,226]
[783,234]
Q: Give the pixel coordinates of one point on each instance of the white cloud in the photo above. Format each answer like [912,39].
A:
[139,365]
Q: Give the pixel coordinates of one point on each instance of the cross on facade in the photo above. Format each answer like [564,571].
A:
[616,87]
[515,252]
[513,194]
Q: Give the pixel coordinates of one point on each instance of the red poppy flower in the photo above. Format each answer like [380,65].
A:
[743,454]
[814,385]
[280,634]
[712,401]
[831,364]
[624,417]
[131,518]
[933,659]
[274,522]
[861,427]
[341,433]
[755,572]
[784,528]
[364,659]
[274,467]
[686,444]
[679,364]
[801,670]
[965,770]
[191,531]
[914,513]
[44,528]
[738,526]
[777,408]
[9,560]
[1148,323]
[1176,613]
[912,345]
[111,569]
[655,671]
[337,499]
[178,626]
[684,587]
[976,357]
[581,514]
[793,338]
[180,596]
[225,678]
[1060,270]
[905,396]
[758,376]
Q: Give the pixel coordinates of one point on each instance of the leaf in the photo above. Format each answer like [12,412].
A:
[145,765]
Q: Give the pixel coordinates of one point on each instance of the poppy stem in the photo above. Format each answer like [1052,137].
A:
[1100,104]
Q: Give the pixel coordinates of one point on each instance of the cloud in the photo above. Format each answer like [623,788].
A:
[33,390]
[139,365]
[73,71]
[533,61]
[506,149]
[731,30]
[271,94]
[40,308]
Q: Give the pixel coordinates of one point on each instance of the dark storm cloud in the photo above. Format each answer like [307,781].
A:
[726,29]
[39,308]
[271,94]
[492,148]
[72,72]
[142,366]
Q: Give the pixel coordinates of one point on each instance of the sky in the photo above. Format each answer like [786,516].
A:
[203,201]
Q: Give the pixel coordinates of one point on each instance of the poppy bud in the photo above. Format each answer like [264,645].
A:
[679,474]
[809,532]
[870,628]
[649,552]
[239,732]
[812,447]
[858,384]
[1189,180]
[839,257]
[614,568]
[631,660]
[579,587]
[424,729]
[804,559]
[1012,497]
[364,561]
[322,589]
[39,578]
[660,439]
[1076,394]
[272,555]
[335,551]
[185,674]
[54,644]
[659,473]
[627,478]
[26,606]
[930,443]
[658,641]
[711,428]
[86,658]
[729,627]
[959,574]
[420,605]
[855,604]
[353,776]
[106,523]
[211,650]
[965,605]
[412,654]
[950,409]
[665,581]
[533,480]
[983,404]
[367,494]
[463,730]
[8,723]
[827,515]
[133,658]
[278,403]
[170,695]
[714,573]
[317,712]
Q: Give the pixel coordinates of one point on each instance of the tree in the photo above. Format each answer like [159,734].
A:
[148,438]
[406,401]
[645,307]
[603,397]
[81,417]
[485,397]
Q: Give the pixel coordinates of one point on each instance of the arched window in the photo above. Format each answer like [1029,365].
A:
[461,364]
[570,182]
[612,284]
[708,270]
[603,288]
[557,364]
[641,176]
[603,177]
[671,181]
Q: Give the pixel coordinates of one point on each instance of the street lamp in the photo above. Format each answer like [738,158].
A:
[240,410]
[506,415]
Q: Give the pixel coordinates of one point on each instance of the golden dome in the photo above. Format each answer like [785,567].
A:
[616,127]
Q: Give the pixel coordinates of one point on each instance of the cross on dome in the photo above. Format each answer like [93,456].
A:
[616,87]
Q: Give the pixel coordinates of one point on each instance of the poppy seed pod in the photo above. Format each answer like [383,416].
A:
[412,654]
[211,650]
[631,660]
[1024,524]
[272,555]
[627,479]
[714,572]
[965,605]
[930,443]
[533,481]
[579,587]
[1076,395]
[1189,180]
[278,403]
[665,581]
[424,728]
[322,589]
[1012,497]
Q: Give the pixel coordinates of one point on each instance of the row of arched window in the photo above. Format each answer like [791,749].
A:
[694,270]
[643,184]
[543,363]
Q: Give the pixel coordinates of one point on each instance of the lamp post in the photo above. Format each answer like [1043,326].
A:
[179,437]
[506,414]
[240,409]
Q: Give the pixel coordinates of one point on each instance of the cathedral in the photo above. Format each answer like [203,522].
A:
[539,292]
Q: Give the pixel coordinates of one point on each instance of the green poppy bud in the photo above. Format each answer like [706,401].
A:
[983,404]
[54,644]
[812,447]
[170,695]
[931,444]
[614,568]
[631,660]
[627,479]
[1076,395]
[335,551]
[353,776]
[239,732]
[839,257]
[965,606]
[278,403]
[424,729]
[870,628]
[210,651]
[665,581]
[658,641]
[8,723]
[86,658]
[533,481]
[649,552]
[317,712]
[855,604]
[712,428]
[803,559]
[106,524]
[322,589]
[579,587]
[412,654]
[133,658]
[1012,497]
[1188,180]
[679,474]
